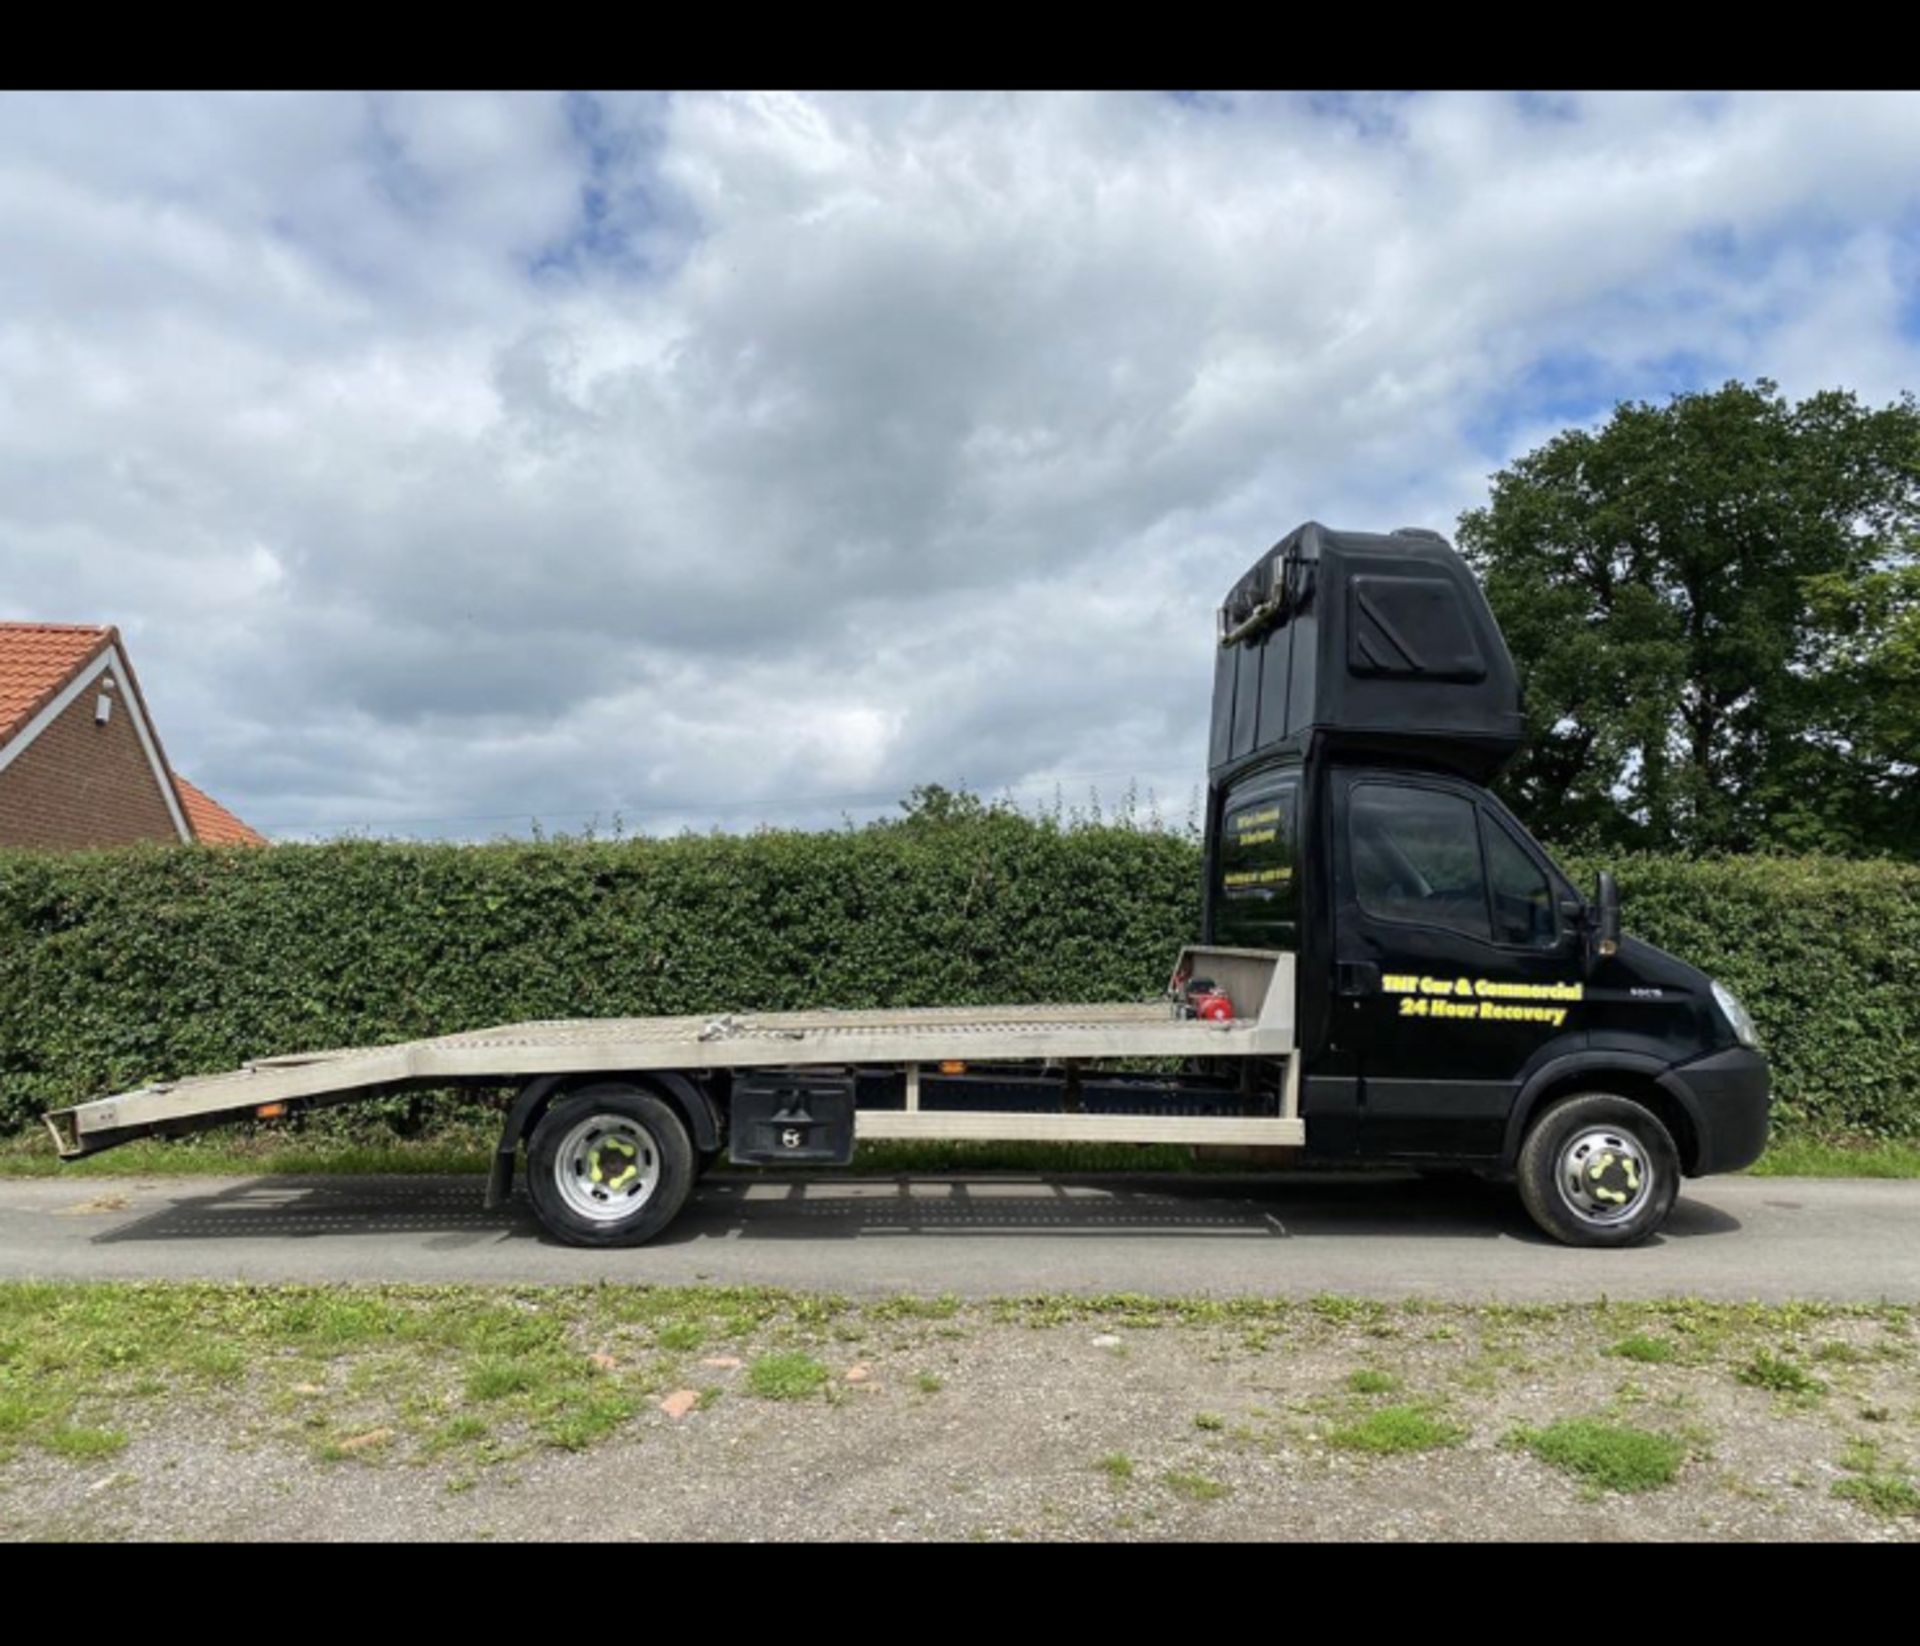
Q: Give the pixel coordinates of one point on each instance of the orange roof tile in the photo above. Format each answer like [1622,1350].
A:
[36,660]
[211,822]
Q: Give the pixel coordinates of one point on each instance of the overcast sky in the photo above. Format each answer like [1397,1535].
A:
[451,461]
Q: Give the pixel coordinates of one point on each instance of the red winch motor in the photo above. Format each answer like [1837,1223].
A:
[1208,1003]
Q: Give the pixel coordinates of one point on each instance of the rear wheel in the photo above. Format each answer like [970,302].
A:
[609,1166]
[1599,1170]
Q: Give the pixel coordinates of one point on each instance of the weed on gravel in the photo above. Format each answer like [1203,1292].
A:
[790,1376]
[1781,1375]
[1611,1457]
[1397,1429]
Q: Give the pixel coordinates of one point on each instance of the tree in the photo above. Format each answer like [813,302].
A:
[1867,673]
[1712,608]
[932,805]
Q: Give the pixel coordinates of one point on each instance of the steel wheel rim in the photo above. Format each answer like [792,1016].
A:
[1604,1175]
[607,1168]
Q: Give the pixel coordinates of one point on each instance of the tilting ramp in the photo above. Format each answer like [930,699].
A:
[521,1051]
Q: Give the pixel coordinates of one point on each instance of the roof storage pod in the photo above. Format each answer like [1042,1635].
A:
[1376,643]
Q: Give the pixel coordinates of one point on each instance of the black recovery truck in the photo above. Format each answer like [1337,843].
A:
[1391,970]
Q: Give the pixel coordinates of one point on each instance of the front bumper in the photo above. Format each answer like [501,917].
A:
[1729,1097]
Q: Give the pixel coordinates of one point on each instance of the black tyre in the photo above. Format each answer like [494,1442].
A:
[609,1165]
[1599,1170]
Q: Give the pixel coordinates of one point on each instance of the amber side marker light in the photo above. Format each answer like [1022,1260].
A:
[271,1111]
[953,1065]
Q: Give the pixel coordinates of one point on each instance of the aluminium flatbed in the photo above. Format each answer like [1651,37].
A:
[907,1040]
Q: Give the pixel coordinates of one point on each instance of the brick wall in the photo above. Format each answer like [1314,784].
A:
[78,784]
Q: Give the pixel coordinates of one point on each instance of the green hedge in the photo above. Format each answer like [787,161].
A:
[1825,952]
[120,967]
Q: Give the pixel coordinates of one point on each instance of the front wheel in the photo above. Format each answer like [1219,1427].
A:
[609,1165]
[1599,1170]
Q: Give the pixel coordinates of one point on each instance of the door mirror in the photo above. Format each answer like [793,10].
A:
[1606,915]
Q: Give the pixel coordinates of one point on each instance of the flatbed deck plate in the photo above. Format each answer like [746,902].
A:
[585,1045]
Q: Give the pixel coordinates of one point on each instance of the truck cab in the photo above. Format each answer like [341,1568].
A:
[1459,1000]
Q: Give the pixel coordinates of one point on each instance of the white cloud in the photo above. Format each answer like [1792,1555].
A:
[467,457]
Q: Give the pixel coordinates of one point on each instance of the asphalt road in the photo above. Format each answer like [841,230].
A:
[986,1235]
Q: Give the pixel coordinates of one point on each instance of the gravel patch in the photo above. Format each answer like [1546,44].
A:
[1039,1420]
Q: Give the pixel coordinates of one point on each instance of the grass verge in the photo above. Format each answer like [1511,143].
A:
[355,1371]
[1808,1157]
[268,1152]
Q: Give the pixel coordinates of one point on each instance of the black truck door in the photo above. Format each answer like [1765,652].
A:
[1453,970]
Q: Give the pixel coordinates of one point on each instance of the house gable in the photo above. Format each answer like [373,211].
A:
[81,765]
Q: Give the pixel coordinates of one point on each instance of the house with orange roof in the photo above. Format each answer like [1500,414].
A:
[80,762]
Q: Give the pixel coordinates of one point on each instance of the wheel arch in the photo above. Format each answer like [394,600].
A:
[698,1110]
[1625,1074]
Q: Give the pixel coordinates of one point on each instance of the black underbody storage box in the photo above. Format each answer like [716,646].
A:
[792,1117]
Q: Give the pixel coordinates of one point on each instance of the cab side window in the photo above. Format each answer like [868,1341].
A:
[1259,901]
[1416,857]
[1523,911]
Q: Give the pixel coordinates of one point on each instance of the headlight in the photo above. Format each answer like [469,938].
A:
[1736,1015]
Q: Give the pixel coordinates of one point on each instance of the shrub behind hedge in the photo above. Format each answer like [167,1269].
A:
[121,967]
